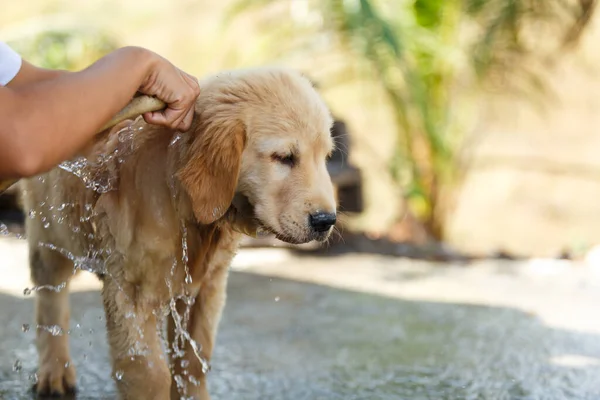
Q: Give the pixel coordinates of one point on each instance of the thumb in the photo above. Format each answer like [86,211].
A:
[169,118]
[156,118]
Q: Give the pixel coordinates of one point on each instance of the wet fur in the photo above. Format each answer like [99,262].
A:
[164,186]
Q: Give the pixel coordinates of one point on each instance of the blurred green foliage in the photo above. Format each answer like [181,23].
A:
[429,57]
[68,49]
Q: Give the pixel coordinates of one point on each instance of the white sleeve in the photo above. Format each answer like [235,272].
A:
[10,64]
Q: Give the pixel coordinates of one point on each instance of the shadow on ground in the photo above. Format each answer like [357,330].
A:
[282,340]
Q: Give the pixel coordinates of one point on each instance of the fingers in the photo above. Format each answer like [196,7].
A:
[179,91]
[193,82]
[156,118]
[178,115]
[188,116]
[187,120]
[180,120]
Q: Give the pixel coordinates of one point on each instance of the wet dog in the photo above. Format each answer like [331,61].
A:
[158,215]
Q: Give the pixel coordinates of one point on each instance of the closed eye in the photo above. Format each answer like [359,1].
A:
[285,159]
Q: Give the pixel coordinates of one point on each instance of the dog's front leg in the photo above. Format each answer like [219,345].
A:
[140,369]
[52,271]
[189,369]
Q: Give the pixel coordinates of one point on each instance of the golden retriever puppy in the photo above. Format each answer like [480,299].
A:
[157,215]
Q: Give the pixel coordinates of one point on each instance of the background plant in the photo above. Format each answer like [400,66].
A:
[429,57]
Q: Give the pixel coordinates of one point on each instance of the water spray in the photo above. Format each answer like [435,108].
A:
[138,106]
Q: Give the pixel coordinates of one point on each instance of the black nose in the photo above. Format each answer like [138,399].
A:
[322,221]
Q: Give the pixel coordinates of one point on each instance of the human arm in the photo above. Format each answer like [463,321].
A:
[29,74]
[45,119]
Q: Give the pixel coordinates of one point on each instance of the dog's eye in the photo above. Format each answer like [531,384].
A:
[287,159]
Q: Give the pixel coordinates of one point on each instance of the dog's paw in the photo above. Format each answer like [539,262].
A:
[56,380]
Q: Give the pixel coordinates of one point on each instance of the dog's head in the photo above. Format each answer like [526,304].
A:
[265,135]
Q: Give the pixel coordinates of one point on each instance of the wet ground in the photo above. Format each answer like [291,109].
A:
[357,327]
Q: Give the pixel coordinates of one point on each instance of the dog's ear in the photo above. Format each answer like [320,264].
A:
[212,167]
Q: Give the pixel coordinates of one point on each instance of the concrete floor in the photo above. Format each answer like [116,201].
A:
[357,327]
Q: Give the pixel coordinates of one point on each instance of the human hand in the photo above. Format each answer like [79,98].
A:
[177,89]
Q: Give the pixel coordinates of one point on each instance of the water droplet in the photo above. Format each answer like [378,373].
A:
[194,381]
[78,326]
[55,330]
[185,363]
[179,381]
[67,364]
[205,365]
[86,171]
[188,279]
[26,292]
[119,375]
[175,139]
[46,225]
[31,214]
[263,233]
[189,300]
[276,299]
[17,366]
[25,328]
[33,378]
[91,331]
